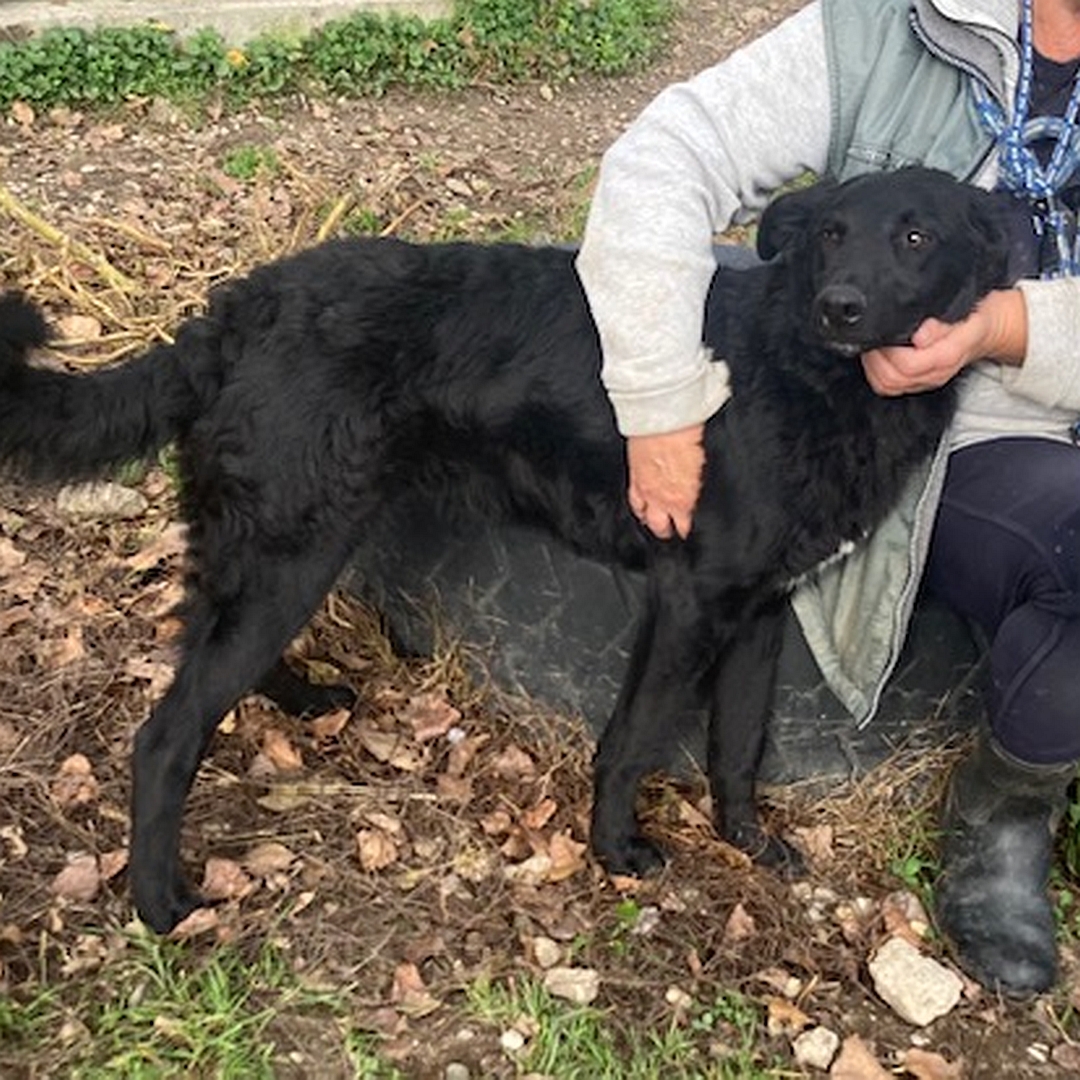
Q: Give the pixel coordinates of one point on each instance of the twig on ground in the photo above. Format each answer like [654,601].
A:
[49,232]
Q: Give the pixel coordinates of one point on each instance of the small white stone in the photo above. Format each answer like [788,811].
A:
[678,998]
[816,1048]
[100,499]
[1039,1052]
[647,921]
[512,1041]
[577,985]
[547,952]
[916,987]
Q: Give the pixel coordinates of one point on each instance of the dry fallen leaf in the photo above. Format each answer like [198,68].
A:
[75,783]
[1067,1056]
[79,881]
[159,673]
[224,879]
[532,871]
[462,753]
[280,752]
[66,649]
[539,815]
[785,1019]
[15,615]
[454,789]
[816,841]
[11,558]
[409,993]
[904,916]
[376,849]
[76,327]
[926,1065]
[856,1062]
[388,747]
[112,862]
[567,857]
[330,725]
[513,763]
[497,823]
[170,542]
[429,715]
[200,921]
[740,925]
[269,858]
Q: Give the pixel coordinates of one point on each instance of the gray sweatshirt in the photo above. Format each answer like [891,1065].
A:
[811,94]
[709,152]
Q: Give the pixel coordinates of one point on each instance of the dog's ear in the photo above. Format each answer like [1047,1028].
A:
[984,217]
[787,216]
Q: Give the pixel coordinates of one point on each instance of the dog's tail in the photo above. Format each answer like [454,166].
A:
[59,425]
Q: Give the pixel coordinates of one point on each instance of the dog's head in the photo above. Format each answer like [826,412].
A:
[875,256]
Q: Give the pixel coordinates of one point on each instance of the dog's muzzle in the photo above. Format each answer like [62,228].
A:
[838,315]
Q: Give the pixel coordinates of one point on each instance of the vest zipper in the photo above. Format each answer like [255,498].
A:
[968,68]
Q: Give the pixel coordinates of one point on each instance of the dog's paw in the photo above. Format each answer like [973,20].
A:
[320,700]
[162,908]
[630,856]
[768,851]
[782,858]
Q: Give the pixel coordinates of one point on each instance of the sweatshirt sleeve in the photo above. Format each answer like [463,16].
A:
[1050,373]
[705,153]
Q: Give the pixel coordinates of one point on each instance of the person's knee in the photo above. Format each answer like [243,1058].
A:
[1035,706]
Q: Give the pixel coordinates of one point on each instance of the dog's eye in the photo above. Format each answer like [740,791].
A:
[831,234]
[916,239]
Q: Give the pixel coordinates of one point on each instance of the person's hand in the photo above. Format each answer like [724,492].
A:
[665,479]
[995,330]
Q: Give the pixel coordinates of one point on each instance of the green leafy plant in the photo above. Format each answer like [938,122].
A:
[362,54]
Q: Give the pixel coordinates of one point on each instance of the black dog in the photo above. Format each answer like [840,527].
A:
[318,387]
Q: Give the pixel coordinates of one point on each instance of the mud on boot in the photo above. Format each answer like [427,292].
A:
[992,904]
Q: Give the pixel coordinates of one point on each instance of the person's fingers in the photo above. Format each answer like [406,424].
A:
[658,522]
[682,523]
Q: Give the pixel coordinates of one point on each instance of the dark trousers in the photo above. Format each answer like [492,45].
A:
[1005,552]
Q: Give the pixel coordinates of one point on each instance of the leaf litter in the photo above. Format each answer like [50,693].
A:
[436,834]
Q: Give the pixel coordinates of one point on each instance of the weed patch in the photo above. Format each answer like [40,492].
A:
[490,40]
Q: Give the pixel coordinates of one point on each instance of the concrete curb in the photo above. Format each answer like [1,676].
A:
[238,21]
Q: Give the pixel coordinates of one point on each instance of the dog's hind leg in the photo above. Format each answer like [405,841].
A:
[231,643]
[295,695]
[671,652]
[743,690]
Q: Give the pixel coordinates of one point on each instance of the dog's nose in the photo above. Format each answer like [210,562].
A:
[839,308]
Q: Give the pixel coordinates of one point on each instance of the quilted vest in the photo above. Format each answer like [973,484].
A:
[900,94]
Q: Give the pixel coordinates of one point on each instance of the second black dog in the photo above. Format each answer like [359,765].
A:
[318,387]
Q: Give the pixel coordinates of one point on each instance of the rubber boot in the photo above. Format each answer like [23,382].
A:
[992,900]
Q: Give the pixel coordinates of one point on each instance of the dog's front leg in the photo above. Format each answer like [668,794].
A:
[743,690]
[670,653]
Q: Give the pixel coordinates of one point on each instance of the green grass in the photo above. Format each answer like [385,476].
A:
[251,162]
[715,1042]
[159,1011]
[482,40]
